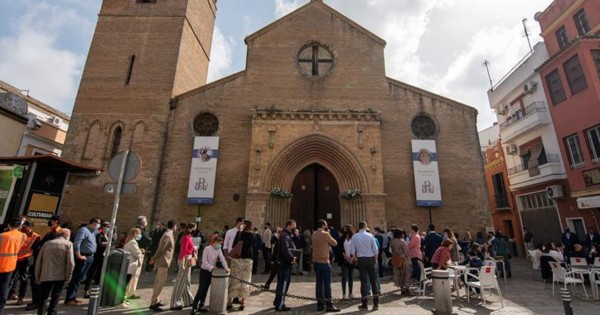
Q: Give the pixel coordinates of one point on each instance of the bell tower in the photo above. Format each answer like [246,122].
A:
[143,53]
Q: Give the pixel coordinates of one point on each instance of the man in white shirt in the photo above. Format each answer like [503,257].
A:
[364,250]
[266,250]
[210,255]
[230,237]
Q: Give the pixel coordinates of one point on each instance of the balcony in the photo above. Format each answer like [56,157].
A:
[533,116]
[550,168]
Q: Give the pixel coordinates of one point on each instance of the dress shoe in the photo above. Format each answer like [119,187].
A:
[31,307]
[19,301]
[177,308]
[203,310]
[134,297]
[156,308]
[159,304]
[74,302]
[282,309]
[332,309]
[320,308]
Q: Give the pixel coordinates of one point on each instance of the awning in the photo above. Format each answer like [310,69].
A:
[53,161]
[588,202]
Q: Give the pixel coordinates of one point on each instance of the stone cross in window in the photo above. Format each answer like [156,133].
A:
[317,58]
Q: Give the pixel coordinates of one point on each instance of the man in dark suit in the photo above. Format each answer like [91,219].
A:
[569,239]
[591,238]
[432,241]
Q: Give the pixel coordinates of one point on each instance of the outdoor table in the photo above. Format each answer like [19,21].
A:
[455,272]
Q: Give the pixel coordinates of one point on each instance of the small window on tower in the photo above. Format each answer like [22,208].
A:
[145,1]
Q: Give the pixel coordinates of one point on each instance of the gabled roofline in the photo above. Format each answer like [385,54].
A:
[7,87]
[430,94]
[305,7]
[210,85]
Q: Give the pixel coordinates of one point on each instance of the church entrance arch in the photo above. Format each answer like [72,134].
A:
[315,196]
[327,164]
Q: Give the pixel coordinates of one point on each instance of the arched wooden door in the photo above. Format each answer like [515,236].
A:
[315,195]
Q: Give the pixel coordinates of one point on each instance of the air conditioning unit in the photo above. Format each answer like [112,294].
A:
[555,191]
[511,149]
[529,87]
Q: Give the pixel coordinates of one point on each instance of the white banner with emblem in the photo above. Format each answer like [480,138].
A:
[203,171]
[427,177]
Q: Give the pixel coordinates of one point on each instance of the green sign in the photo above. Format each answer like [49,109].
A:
[7,184]
[18,171]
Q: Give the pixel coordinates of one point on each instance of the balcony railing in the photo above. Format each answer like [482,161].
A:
[520,114]
[501,201]
[548,158]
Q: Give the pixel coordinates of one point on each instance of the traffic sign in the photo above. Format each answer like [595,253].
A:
[132,168]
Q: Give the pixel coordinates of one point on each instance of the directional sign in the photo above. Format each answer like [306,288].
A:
[132,168]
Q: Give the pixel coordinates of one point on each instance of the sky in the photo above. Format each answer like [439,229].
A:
[438,45]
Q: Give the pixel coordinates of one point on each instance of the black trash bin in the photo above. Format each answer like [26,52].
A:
[113,288]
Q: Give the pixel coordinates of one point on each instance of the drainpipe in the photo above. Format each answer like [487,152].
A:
[153,214]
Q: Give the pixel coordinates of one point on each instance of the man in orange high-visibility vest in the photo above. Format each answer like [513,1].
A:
[24,262]
[10,244]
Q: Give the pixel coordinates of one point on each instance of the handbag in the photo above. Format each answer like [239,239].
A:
[236,251]
[398,261]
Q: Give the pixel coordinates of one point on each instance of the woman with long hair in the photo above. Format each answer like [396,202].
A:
[346,263]
[241,267]
[449,235]
[135,259]
[182,294]
[402,272]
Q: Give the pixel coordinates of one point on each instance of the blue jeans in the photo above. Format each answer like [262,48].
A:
[323,288]
[284,275]
[416,272]
[347,277]
[4,287]
[81,268]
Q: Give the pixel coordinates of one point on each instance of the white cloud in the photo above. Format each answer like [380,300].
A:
[283,7]
[220,55]
[35,60]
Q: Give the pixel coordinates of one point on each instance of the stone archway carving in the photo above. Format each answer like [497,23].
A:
[326,151]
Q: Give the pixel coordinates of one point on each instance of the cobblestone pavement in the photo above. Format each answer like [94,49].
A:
[522,295]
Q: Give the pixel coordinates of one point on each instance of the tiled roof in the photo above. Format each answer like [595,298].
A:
[9,88]
[14,105]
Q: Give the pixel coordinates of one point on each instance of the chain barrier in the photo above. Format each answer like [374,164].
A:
[334,300]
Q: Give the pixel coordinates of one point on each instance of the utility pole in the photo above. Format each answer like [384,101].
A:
[527,33]
[486,65]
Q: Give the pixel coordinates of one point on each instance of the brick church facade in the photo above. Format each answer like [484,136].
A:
[313,113]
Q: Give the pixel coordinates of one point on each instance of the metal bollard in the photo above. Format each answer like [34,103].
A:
[94,300]
[566,298]
[441,292]
[218,291]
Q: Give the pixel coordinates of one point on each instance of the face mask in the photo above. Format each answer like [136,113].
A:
[138,237]
[218,247]
[107,230]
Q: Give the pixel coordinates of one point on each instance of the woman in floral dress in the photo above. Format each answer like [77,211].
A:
[401,274]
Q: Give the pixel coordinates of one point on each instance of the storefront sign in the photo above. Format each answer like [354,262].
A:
[203,170]
[427,179]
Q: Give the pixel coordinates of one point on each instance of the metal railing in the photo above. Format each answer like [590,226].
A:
[520,114]
[544,159]
[501,201]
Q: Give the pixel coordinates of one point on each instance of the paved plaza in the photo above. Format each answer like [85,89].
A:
[522,295]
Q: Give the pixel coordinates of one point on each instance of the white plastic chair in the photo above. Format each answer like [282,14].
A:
[595,281]
[597,262]
[579,265]
[559,274]
[485,280]
[425,277]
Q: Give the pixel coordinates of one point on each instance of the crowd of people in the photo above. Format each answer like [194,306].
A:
[57,259]
[562,252]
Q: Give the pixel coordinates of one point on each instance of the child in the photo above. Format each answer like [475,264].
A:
[472,261]
[210,255]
